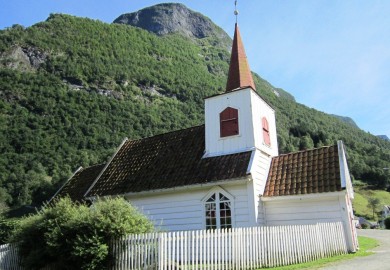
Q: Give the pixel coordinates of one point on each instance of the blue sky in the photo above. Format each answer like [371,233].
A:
[332,55]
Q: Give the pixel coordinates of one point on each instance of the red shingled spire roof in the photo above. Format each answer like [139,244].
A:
[240,75]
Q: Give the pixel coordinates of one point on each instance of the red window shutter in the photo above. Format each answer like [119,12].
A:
[228,119]
[266,136]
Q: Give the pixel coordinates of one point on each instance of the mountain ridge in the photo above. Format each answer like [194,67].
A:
[384,137]
[169,18]
[347,120]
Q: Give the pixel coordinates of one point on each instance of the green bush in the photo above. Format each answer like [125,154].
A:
[70,235]
[387,223]
[6,228]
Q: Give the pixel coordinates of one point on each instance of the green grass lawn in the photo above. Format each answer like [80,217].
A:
[366,244]
[360,203]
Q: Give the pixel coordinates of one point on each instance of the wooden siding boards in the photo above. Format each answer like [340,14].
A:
[251,109]
[259,172]
[305,172]
[305,211]
[184,210]
[172,211]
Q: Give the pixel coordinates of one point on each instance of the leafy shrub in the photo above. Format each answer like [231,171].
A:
[70,235]
[6,228]
[387,223]
[364,226]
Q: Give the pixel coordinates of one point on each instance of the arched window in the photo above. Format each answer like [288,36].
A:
[218,211]
[266,136]
[228,122]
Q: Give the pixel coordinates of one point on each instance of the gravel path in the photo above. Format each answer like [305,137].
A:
[380,260]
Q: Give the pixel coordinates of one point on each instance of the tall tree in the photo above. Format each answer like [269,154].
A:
[373,203]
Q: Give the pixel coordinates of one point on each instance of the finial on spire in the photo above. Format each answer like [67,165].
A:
[235,10]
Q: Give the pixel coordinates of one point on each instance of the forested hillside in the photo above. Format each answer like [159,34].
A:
[71,89]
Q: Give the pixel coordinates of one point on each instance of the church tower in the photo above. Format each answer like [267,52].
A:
[239,120]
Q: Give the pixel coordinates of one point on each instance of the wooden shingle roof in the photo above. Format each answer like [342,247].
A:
[76,187]
[175,159]
[304,172]
[164,161]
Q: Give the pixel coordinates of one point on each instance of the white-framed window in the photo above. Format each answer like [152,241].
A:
[218,211]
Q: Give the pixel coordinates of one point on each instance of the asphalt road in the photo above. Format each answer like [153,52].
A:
[380,260]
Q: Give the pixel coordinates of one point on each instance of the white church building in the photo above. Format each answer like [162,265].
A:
[227,172]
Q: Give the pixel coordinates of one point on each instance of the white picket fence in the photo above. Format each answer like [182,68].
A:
[239,248]
[9,259]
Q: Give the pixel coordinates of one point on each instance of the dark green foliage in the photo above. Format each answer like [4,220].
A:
[7,227]
[387,223]
[67,235]
[56,116]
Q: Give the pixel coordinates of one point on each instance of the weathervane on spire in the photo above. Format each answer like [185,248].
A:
[235,10]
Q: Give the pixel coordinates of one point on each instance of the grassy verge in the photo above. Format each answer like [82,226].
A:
[360,204]
[366,244]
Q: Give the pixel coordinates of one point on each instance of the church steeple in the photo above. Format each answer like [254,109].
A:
[240,75]
[239,121]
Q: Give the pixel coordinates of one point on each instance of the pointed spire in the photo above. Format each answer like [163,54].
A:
[240,75]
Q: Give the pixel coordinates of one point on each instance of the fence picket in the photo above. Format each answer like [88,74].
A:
[201,250]
[334,240]
[198,249]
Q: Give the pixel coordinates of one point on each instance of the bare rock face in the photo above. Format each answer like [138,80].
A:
[15,58]
[35,56]
[25,59]
[169,18]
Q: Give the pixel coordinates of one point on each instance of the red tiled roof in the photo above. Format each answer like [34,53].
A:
[168,160]
[76,187]
[240,75]
[305,172]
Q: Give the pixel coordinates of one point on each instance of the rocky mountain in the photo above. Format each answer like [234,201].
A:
[171,18]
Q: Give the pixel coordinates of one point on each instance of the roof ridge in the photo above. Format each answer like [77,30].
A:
[91,166]
[163,134]
[307,150]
